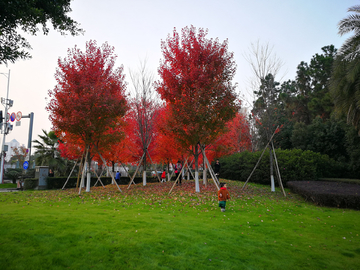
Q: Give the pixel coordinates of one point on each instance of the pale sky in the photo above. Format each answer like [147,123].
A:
[296,29]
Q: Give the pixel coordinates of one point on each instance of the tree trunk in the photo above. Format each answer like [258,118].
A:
[144,171]
[205,180]
[272,171]
[88,174]
[196,155]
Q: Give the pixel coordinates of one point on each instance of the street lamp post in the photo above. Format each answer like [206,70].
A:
[7,104]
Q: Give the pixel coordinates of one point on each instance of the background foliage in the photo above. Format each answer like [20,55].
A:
[294,165]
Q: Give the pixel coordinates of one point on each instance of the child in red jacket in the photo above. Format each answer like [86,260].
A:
[163,176]
[223,195]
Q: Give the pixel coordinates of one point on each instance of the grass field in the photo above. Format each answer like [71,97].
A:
[7,185]
[145,228]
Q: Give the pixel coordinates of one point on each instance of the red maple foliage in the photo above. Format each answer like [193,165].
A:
[70,150]
[196,76]
[169,151]
[236,139]
[88,101]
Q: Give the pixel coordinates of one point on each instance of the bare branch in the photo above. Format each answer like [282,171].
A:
[262,61]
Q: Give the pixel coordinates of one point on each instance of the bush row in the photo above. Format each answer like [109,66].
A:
[294,165]
[333,194]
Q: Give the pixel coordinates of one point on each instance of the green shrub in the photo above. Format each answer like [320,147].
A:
[294,165]
[13,174]
[31,183]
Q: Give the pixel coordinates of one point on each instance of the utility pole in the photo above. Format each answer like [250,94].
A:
[31,116]
[7,126]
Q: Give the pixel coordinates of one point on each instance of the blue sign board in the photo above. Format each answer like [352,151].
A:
[12,117]
[26,165]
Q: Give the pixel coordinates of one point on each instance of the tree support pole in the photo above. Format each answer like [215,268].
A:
[80,169]
[277,170]
[213,176]
[137,168]
[152,164]
[98,178]
[104,161]
[70,174]
[188,168]
[178,177]
[259,159]
[83,169]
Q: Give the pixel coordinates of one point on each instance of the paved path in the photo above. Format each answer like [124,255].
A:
[9,190]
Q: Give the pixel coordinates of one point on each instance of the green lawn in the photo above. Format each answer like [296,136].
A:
[8,185]
[145,228]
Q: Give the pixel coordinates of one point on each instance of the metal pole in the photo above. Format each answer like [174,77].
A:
[4,124]
[30,135]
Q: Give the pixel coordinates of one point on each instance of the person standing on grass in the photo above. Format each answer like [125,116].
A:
[223,195]
[163,176]
[217,168]
[117,177]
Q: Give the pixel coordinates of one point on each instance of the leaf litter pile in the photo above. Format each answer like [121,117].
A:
[153,194]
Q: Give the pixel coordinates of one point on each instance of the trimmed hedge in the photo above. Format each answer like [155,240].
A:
[31,183]
[323,193]
[294,165]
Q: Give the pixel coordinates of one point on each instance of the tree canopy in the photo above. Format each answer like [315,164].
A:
[345,78]
[196,83]
[89,100]
[29,16]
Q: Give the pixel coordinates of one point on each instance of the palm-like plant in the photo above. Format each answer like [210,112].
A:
[351,48]
[345,80]
[47,153]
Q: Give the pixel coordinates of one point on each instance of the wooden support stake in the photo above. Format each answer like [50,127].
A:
[98,178]
[80,169]
[188,169]
[210,168]
[277,170]
[70,174]
[180,175]
[82,174]
[259,159]
[137,168]
[153,167]
[103,160]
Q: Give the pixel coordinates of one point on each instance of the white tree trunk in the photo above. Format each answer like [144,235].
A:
[204,175]
[82,184]
[88,174]
[144,178]
[272,184]
[272,171]
[197,186]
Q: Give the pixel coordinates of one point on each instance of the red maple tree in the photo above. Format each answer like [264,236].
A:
[89,99]
[196,75]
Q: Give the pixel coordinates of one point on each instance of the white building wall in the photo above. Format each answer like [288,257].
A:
[11,144]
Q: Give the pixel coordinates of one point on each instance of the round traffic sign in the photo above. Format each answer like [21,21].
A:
[26,165]
[12,117]
[18,116]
